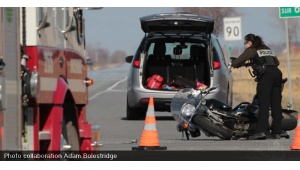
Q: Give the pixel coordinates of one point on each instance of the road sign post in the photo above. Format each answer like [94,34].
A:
[232,30]
[288,12]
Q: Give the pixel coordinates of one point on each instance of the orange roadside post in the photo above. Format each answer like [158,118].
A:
[296,142]
[149,139]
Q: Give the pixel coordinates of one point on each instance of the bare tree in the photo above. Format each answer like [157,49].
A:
[118,57]
[99,56]
[102,58]
[218,13]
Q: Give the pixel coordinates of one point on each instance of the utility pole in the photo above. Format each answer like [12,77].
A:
[288,61]
[97,54]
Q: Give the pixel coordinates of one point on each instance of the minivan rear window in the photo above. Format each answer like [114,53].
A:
[169,50]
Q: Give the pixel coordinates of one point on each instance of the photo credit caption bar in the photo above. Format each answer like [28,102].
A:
[11,156]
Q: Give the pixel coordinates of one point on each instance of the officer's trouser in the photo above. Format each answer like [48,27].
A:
[269,94]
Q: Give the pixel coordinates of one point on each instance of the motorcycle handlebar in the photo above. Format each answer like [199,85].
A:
[210,89]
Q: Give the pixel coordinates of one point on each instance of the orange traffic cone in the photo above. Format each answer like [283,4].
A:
[296,143]
[149,139]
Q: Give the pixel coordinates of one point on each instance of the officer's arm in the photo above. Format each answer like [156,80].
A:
[246,55]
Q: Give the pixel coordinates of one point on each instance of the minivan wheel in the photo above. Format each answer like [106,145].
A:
[132,113]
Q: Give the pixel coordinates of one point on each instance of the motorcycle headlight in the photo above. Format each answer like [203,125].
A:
[203,101]
[188,110]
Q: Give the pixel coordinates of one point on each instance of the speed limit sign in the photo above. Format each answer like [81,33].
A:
[232,28]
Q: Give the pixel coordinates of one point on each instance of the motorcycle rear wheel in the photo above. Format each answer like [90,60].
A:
[213,128]
[289,120]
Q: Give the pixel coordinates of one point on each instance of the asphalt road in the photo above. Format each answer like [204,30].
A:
[107,108]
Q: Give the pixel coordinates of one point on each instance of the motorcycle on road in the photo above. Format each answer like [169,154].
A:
[194,113]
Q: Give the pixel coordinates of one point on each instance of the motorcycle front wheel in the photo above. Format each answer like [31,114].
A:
[213,128]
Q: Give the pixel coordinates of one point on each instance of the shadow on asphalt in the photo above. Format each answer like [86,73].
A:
[158,118]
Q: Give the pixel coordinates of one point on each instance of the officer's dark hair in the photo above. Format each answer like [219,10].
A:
[257,41]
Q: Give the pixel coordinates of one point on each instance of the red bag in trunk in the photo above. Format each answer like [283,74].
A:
[154,82]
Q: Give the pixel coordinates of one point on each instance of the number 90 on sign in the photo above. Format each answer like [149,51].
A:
[235,31]
[232,29]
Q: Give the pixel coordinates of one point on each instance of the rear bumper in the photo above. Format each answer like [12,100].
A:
[139,97]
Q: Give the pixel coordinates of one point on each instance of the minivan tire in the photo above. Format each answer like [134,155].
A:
[132,113]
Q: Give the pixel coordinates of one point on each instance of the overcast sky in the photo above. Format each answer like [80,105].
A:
[118,28]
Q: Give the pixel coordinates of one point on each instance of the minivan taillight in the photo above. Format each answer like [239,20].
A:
[217,65]
[136,63]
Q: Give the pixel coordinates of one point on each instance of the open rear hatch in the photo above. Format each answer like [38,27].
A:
[179,27]
[177,22]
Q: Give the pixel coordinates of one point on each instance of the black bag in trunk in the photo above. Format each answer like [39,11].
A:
[180,81]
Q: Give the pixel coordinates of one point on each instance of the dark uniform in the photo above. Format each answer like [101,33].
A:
[268,90]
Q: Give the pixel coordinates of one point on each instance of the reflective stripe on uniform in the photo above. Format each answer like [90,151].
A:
[265,52]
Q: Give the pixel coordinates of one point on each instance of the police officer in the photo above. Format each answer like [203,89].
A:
[269,82]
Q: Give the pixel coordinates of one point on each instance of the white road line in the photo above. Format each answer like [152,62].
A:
[108,89]
[113,90]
